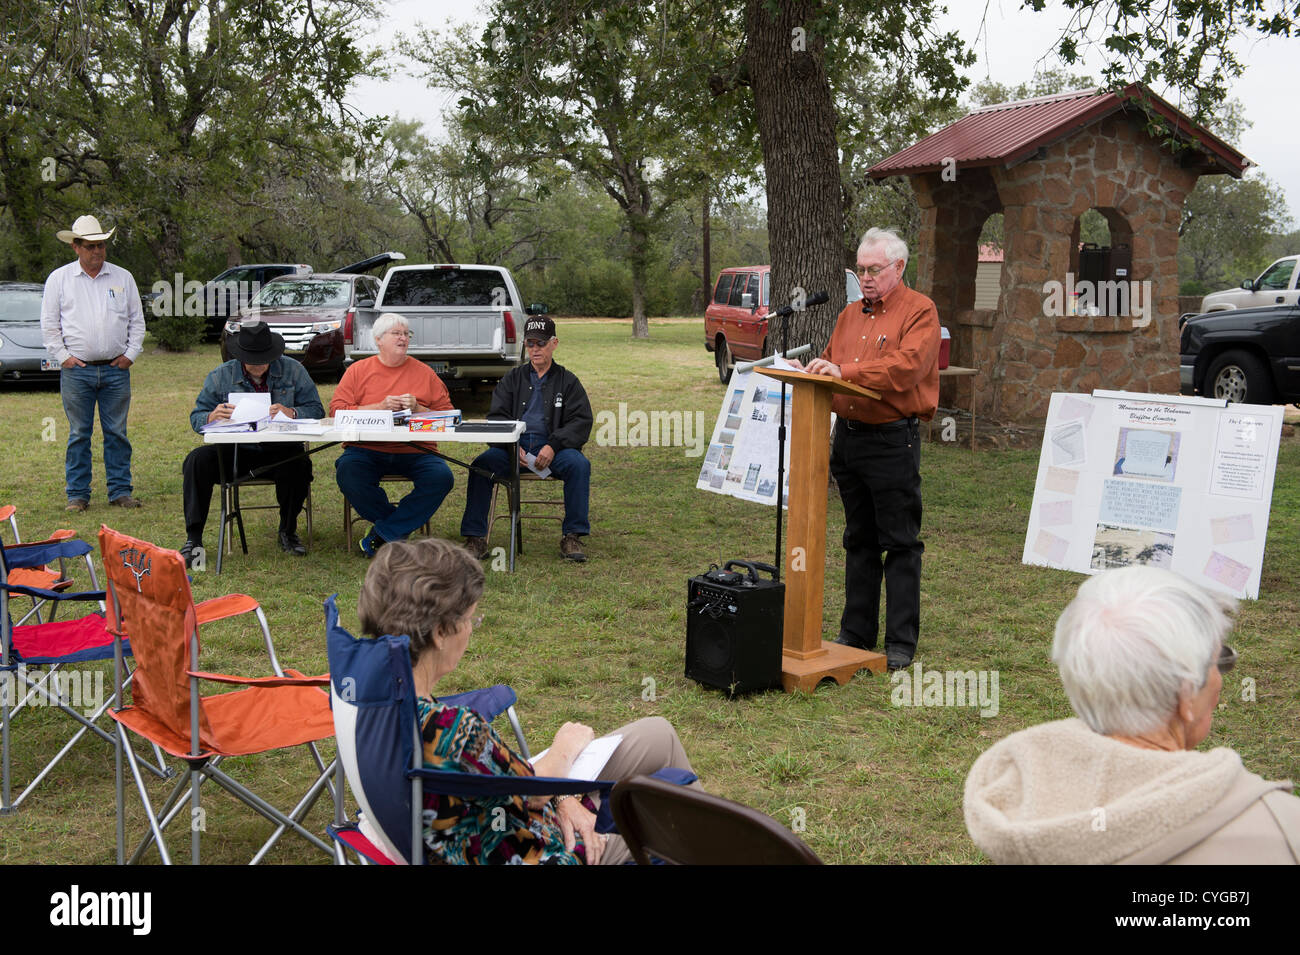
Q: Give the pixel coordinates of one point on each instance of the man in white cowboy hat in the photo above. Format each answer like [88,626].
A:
[259,366]
[93,326]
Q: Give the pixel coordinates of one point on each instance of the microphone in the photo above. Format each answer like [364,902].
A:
[821,298]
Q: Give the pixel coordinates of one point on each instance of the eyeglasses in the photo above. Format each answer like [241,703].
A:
[874,270]
[1227,659]
[400,333]
[536,343]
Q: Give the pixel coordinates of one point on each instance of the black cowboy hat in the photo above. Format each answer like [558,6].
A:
[256,344]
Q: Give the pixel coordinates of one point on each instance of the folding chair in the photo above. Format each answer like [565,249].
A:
[381,753]
[148,588]
[688,827]
[34,658]
[348,512]
[233,510]
[42,578]
[526,477]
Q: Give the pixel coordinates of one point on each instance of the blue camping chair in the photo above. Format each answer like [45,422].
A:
[35,658]
[372,692]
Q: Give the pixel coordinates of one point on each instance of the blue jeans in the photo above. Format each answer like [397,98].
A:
[358,471]
[111,388]
[569,466]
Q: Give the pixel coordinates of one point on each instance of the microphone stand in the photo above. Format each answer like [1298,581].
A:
[779,563]
[784,314]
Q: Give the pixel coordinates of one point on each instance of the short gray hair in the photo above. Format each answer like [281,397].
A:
[385,322]
[1132,640]
[895,247]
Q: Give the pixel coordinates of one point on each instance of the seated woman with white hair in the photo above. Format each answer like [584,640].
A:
[391,381]
[1141,655]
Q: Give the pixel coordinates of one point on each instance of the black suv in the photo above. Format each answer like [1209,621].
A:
[1249,355]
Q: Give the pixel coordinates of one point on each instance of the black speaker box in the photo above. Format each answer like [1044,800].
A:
[734,624]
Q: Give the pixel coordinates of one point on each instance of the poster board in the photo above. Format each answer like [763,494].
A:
[741,459]
[1172,481]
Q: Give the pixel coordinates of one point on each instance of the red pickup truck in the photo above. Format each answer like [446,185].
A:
[735,323]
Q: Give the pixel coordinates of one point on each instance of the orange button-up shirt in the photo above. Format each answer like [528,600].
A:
[891,348]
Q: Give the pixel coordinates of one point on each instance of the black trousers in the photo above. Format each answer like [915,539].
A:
[879,476]
[202,472]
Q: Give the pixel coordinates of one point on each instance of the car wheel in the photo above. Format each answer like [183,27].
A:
[722,353]
[1239,377]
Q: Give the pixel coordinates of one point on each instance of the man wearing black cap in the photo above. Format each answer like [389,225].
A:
[553,405]
[259,366]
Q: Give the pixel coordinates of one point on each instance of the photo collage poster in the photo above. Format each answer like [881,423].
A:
[742,455]
[1171,481]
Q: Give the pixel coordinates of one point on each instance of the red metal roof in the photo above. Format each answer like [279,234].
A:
[1008,133]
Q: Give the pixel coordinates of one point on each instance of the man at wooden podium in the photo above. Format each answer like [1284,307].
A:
[888,342]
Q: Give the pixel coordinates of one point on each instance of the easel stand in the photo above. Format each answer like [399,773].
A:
[807,658]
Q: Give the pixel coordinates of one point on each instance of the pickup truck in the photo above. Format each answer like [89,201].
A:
[1247,355]
[735,321]
[467,321]
[1279,284]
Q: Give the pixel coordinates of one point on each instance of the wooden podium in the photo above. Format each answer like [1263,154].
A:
[807,658]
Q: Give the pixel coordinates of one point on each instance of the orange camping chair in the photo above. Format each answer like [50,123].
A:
[149,590]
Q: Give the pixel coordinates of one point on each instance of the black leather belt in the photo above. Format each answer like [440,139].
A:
[862,426]
[101,361]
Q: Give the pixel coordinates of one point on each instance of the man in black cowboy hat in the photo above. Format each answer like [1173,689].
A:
[259,366]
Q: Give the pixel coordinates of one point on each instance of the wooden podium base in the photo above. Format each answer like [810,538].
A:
[835,661]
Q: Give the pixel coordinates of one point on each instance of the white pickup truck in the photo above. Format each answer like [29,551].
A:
[467,321]
[1279,284]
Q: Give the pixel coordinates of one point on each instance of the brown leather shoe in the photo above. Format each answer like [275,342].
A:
[77,506]
[477,546]
[126,500]
[571,548]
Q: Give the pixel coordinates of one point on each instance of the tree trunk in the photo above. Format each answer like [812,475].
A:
[795,114]
[706,269]
[639,248]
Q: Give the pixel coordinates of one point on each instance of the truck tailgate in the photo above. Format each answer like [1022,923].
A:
[443,332]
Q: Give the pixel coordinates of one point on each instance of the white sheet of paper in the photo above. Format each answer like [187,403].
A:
[531,460]
[1145,452]
[249,406]
[592,759]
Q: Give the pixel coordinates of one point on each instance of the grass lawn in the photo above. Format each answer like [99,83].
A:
[869,781]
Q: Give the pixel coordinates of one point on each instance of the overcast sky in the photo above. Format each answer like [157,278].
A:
[1014,43]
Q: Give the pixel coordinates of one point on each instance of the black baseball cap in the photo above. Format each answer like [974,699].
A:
[539,326]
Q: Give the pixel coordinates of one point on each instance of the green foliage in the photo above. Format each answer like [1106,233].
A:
[608,92]
[1227,227]
[181,122]
[1191,46]
[176,333]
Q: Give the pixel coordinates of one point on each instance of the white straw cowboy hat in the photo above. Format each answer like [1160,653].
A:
[87,228]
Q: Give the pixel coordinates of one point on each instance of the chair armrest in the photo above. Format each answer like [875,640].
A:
[291,678]
[489,702]
[40,553]
[468,785]
[54,594]
[220,608]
